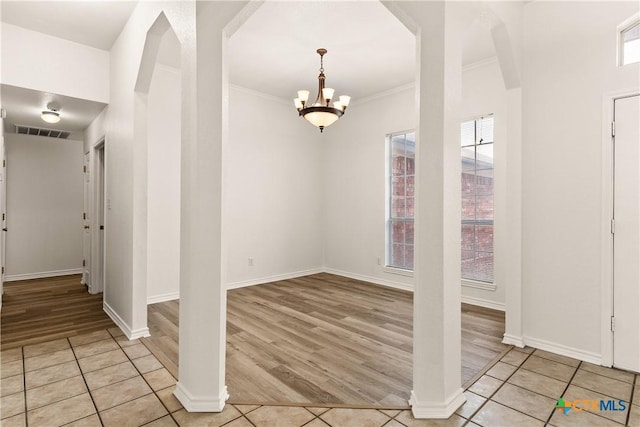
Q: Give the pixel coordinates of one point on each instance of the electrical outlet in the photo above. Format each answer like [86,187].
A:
[250,262]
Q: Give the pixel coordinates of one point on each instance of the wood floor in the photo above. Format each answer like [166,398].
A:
[40,310]
[325,339]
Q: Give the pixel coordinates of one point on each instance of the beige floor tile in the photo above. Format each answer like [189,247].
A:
[11,405]
[494,414]
[90,421]
[574,393]
[135,413]
[485,386]
[49,359]
[123,341]
[10,369]
[538,383]
[388,412]
[616,374]
[11,385]
[110,375]
[171,402]
[501,370]
[280,416]
[472,404]
[94,348]
[634,416]
[51,374]
[547,367]
[99,361]
[248,408]
[124,391]
[636,392]
[147,364]
[55,392]
[349,417]
[406,418]
[10,355]
[159,379]
[209,419]
[580,419]
[46,347]
[165,421]
[242,422]
[19,420]
[62,412]
[533,404]
[89,338]
[116,332]
[604,385]
[514,357]
[135,351]
[392,423]
[557,358]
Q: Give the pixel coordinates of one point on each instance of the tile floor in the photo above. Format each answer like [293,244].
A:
[102,379]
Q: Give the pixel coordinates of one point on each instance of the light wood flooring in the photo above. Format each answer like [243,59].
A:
[40,310]
[325,339]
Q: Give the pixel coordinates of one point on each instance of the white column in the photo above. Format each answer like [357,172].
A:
[437,391]
[201,386]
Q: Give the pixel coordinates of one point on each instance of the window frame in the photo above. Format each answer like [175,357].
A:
[388,264]
[629,23]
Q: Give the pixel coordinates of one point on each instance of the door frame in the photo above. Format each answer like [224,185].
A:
[97,206]
[606,278]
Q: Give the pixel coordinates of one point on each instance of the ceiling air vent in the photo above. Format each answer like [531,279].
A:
[51,133]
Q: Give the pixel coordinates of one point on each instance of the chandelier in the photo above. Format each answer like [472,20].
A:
[320,114]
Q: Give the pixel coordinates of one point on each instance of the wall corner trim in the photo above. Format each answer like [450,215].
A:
[42,274]
[275,278]
[163,297]
[563,350]
[513,340]
[131,334]
[436,409]
[375,280]
[201,404]
[500,306]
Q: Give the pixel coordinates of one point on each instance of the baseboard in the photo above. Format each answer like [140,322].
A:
[201,404]
[163,297]
[42,275]
[563,350]
[376,280]
[500,306]
[132,334]
[269,279]
[513,340]
[422,410]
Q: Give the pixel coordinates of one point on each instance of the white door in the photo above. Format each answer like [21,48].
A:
[3,209]
[86,275]
[626,238]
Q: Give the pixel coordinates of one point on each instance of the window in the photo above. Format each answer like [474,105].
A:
[630,43]
[401,197]
[477,200]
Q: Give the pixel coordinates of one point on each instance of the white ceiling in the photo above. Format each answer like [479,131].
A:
[24,107]
[274,52]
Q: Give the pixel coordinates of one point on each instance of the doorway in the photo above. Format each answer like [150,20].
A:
[97,221]
[625,228]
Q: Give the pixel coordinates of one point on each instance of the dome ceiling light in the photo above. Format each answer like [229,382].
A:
[51,114]
[320,114]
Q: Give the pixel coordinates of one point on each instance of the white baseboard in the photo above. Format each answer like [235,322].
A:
[563,350]
[376,280]
[268,279]
[41,275]
[500,306]
[201,404]
[131,334]
[163,297]
[513,340]
[422,410]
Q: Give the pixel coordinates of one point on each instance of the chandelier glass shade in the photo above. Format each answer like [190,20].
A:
[321,114]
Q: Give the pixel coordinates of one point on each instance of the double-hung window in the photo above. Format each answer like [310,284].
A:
[477,199]
[400,200]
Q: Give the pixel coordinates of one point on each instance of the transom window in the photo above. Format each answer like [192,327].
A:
[401,198]
[477,199]
[630,43]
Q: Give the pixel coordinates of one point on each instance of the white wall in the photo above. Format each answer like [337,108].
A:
[569,65]
[45,204]
[273,166]
[41,62]
[163,186]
